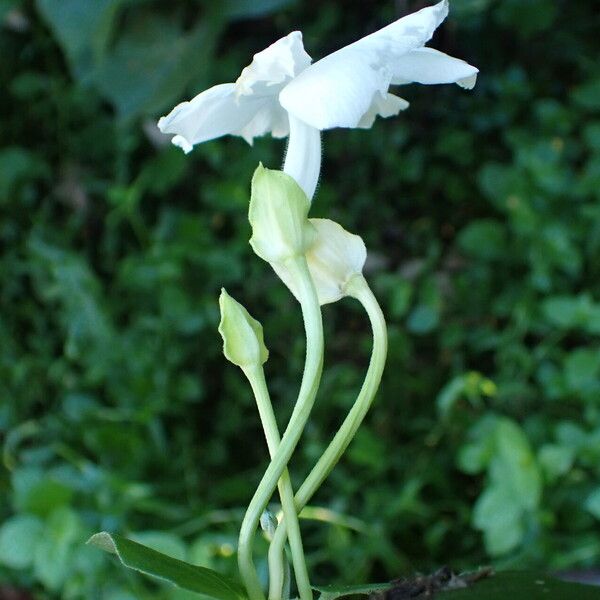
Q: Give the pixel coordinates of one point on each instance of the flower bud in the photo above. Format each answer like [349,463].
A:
[278,216]
[242,335]
[268,523]
[334,258]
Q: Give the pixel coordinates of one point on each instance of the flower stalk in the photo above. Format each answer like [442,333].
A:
[256,377]
[358,288]
[311,313]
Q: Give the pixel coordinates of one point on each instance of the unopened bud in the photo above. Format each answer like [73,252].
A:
[243,342]
[278,216]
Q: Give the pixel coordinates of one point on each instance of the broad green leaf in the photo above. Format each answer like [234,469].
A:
[150,562]
[523,585]
[514,465]
[152,63]
[18,538]
[334,591]
[516,585]
[81,28]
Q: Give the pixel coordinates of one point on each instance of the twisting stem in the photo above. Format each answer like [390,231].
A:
[311,313]
[359,289]
[256,377]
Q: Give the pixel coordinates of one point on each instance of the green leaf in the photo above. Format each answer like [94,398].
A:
[524,585]
[581,370]
[189,577]
[152,63]
[18,538]
[555,460]
[484,239]
[516,585]
[592,504]
[38,493]
[54,553]
[81,28]
[340,591]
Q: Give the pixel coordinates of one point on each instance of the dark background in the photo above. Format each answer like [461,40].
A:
[481,212]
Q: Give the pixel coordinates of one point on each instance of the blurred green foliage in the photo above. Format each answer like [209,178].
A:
[481,212]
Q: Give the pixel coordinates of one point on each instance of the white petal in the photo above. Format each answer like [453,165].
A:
[271,118]
[338,90]
[182,143]
[383,105]
[426,65]
[280,62]
[333,259]
[303,155]
[217,112]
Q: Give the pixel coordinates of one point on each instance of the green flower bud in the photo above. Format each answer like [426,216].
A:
[278,216]
[242,335]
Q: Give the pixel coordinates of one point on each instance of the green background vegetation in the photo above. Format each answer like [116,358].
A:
[481,212]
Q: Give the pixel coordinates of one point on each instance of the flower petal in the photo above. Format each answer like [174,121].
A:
[334,258]
[338,90]
[271,118]
[280,62]
[211,114]
[426,65]
[383,105]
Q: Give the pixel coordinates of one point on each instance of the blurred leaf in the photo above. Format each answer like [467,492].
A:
[83,29]
[38,493]
[18,165]
[483,239]
[588,94]
[148,561]
[242,9]
[527,16]
[555,460]
[592,503]
[582,370]
[18,539]
[53,553]
[152,63]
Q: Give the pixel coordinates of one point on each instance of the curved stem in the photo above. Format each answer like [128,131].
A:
[311,313]
[359,289]
[303,155]
[256,377]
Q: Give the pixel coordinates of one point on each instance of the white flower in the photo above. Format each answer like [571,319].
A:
[281,93]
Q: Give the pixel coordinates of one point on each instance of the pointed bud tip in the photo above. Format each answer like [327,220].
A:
[243,342]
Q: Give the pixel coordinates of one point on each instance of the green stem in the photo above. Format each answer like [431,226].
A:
[256,377]
[311,313]
[359,289]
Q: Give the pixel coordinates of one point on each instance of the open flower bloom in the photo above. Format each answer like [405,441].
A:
[282,93]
